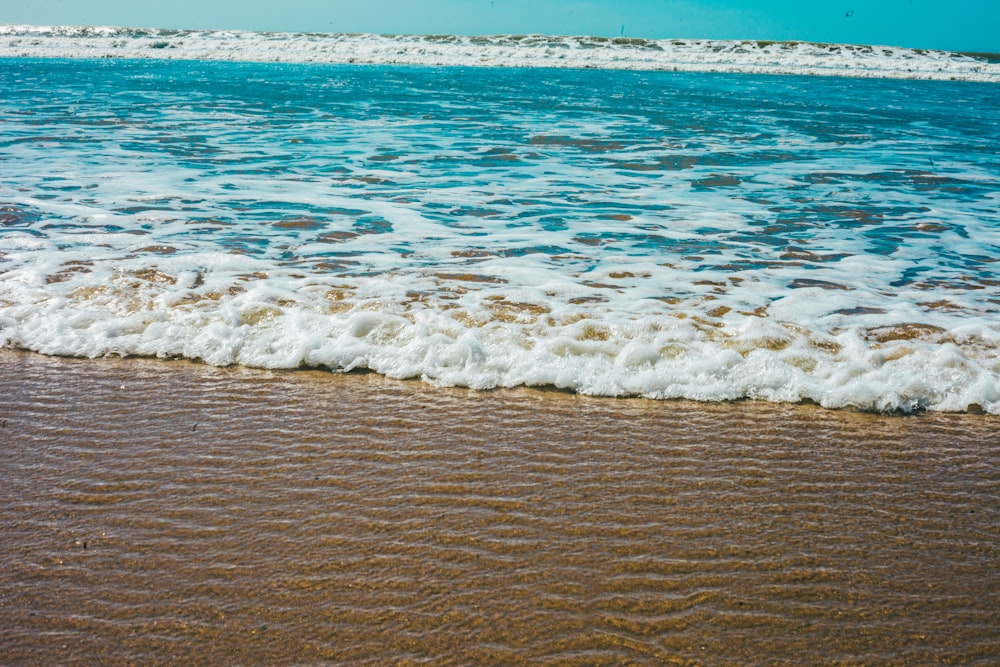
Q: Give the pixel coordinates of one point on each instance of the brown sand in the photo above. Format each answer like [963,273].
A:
[160,512]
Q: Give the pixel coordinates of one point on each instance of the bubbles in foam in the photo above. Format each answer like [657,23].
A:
[835,244]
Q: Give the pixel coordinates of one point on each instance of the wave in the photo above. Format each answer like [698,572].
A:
[684,55]
[494,341]
[510,228]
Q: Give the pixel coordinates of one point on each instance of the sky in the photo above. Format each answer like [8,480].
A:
[959,25]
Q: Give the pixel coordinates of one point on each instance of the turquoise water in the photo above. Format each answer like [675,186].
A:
[705,236]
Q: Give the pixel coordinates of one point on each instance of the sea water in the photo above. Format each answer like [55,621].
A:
[562,51]
[615,233]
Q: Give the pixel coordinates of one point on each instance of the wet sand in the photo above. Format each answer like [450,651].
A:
[160,512]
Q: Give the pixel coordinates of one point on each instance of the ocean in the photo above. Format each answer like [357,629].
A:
[710,236]
[367,362]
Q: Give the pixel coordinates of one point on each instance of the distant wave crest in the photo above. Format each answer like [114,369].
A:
[702,55]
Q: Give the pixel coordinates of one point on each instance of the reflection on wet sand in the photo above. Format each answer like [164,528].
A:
[168,512]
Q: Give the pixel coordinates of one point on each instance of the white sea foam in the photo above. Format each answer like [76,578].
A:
[467,331]
[692,55]
[482,343]
[801,251]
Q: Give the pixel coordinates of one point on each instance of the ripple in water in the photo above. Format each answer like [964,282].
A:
[172,512]
[665,235]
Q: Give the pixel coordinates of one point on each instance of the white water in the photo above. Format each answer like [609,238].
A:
[691,55]
[494,227]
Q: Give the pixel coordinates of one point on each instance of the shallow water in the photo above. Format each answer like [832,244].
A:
[613,233]
[164,512]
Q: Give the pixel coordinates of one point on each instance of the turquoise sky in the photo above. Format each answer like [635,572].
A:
[962,25]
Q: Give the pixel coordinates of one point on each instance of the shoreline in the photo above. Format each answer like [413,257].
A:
[165,510]
[973,411]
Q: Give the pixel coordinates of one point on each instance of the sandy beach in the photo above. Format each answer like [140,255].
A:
[159,512]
